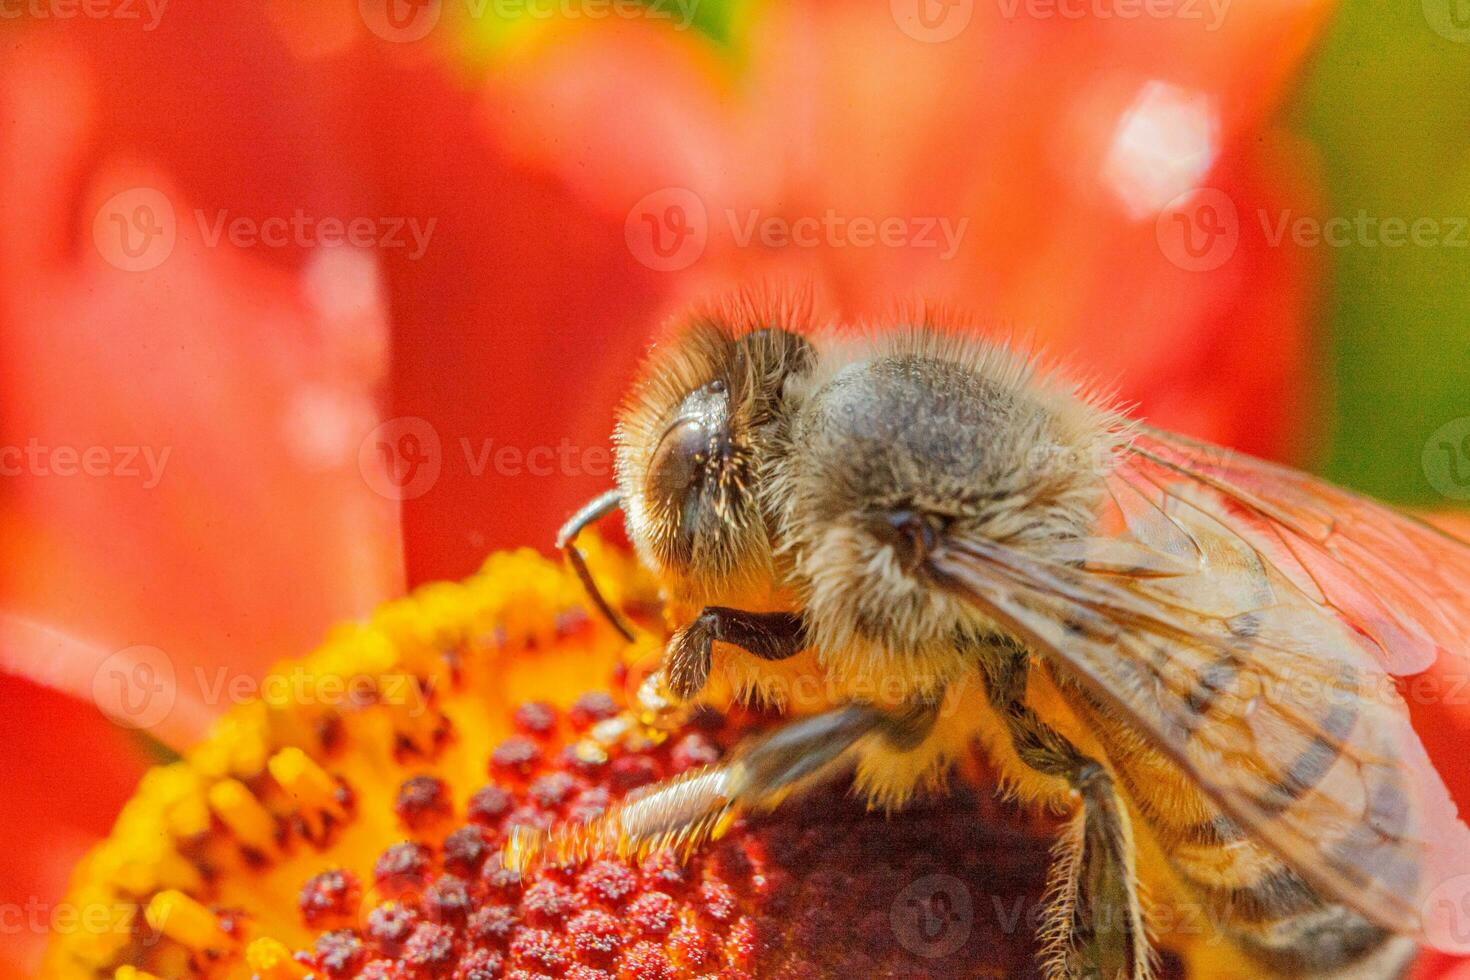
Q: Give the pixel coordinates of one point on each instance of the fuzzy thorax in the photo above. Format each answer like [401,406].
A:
[768,464]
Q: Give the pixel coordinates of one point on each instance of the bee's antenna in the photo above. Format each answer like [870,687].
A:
[566,542]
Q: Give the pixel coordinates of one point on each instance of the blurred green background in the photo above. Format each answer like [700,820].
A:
[1387,103]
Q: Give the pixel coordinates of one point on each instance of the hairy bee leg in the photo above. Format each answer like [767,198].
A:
[682,813]
[906,730]
[1095,925]
[1107,917]
[768,635]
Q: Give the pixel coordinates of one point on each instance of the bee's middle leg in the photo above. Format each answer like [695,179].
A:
[1095,927]
[768,635]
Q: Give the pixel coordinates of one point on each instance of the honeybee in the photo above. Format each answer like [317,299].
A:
[1189,651]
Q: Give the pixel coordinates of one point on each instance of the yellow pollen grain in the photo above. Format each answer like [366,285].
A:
[185,921]
[269,959]
[239,810]
[611,731]
[306,782]
[132,973]
[589,752]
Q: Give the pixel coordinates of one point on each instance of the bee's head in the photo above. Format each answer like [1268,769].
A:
[695,436]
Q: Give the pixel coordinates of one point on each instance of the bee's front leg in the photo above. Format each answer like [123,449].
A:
[768,635]
[1095,927]
[684,812]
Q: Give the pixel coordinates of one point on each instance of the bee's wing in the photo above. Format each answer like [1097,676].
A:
[1219,611]
[1398,581]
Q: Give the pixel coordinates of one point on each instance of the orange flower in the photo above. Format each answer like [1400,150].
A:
[352,827]
[353,830]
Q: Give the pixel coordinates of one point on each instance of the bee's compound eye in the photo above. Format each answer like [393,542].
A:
[679,459]
[685,465]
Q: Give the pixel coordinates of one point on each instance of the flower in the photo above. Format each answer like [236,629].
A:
[354,829]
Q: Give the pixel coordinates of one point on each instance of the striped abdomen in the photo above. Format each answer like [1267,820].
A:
[1249,892]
